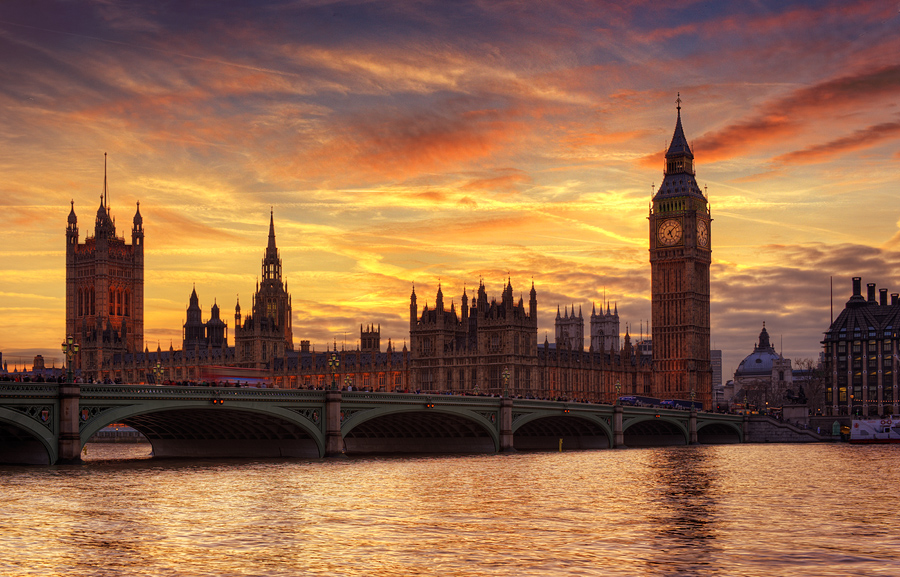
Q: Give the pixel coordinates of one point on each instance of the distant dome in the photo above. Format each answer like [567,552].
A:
[761,360]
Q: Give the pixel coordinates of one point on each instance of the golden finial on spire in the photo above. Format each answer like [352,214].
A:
[678,102]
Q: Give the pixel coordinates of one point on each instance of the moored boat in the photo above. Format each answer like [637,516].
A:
[880,430]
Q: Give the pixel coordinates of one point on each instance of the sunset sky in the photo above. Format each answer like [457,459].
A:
[424,142]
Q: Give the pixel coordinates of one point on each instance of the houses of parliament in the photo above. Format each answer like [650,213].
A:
[489,345]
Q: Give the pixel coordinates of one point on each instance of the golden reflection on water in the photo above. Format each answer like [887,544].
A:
[748,510]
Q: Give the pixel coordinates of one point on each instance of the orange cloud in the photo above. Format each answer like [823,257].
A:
[801,109]
[860,139]
[599,139]
[505,183]
[183,229]
[407,146]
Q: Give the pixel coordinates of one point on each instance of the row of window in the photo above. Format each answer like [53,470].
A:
[119,302]
[887,394]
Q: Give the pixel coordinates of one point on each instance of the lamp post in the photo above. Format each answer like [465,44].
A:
[618,390]
[157,373]
[334,363]
[70,349]
[505,382]
[348,380]
[693,394]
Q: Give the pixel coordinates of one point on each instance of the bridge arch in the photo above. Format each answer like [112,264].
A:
[202,430]
[543,430]
[25,441]
[652,431]
[409,429]
[719,433]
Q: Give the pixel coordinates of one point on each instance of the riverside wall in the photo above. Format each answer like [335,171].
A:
[761,429]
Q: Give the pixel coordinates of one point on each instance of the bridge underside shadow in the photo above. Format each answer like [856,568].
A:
[654,434]
[544,435]
[18,447]
[222,433]
[717,434]
[419,432]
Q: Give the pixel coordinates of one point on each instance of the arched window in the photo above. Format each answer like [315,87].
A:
[127,310]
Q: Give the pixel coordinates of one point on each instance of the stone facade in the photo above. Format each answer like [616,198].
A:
[491,347]
[861,355]
[488,346]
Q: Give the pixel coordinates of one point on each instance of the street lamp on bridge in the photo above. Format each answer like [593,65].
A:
[348,380]
[70,349]
[334,363]
[618,390]
[506,382]
[157,373]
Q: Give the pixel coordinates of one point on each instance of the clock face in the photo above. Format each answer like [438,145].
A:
[703,233]
[669,232]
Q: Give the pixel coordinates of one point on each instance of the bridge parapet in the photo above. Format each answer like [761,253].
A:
[197,392]
[31,390]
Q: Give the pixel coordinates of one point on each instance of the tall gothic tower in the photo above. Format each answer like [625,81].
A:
[104,289]
[680,255]
[266,333]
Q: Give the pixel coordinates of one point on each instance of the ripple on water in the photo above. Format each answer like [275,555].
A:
[805,510]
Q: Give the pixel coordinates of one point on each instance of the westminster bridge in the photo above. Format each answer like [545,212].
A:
[47,423]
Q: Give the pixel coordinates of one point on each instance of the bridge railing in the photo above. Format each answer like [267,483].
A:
[13,389]
[197,392]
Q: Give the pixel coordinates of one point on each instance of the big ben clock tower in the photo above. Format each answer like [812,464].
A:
[680,245]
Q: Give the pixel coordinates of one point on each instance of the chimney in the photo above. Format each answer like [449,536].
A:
[871,297]
[894,298]
[857,286]
[882,293]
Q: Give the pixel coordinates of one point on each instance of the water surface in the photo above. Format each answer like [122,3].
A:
[803,510]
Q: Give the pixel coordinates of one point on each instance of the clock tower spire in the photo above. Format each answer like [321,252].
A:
[680,255]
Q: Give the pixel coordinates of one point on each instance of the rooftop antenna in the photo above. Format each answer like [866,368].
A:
[831,298]
[105,193]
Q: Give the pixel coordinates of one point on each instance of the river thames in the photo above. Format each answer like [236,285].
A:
[731,510]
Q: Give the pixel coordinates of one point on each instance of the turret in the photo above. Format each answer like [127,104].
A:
[465,308]
[413,308]
[271,264]
[532,305]
[137,231]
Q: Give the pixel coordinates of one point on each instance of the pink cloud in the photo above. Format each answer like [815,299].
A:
[801,109]
[860,139]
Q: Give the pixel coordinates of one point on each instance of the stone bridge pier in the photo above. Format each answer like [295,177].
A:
[334,441]
[69,446]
